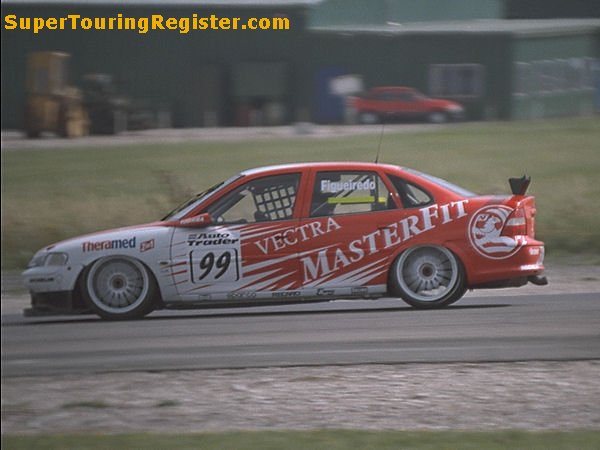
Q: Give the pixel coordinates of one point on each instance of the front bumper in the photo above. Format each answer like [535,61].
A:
[55,303]
[43,279]
[52,290]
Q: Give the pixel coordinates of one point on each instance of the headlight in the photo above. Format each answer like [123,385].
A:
[56,259]
[48,259]
[36,261]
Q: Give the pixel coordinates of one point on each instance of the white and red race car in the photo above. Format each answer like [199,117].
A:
[294,233]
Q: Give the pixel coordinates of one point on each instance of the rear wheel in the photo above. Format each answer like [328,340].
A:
[120,287]
[428,277]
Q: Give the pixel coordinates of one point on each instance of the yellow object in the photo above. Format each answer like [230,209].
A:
[52,105]
[353,200]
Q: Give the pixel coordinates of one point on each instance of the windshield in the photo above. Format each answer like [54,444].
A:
[446,184]
[191,203]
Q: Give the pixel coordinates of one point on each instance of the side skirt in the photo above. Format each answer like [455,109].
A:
[265,298]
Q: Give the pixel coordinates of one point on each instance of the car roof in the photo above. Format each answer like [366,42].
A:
[341,165]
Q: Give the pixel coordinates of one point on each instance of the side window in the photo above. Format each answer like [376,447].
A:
[264,199]
[406,97]
[411,195]
[349,192]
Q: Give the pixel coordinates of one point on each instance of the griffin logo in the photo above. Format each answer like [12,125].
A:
[485,230]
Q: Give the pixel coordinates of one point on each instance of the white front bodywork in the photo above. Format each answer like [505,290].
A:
[149,244]
[173,254]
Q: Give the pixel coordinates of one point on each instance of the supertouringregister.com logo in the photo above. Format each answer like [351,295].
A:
[142,25]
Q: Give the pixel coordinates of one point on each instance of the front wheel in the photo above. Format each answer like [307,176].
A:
[438,117]
[428,277]
[120,287]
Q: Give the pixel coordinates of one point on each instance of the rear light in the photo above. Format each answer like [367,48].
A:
[516,221]
[516,225]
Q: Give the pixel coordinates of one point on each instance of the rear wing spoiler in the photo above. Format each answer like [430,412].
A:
[519,186]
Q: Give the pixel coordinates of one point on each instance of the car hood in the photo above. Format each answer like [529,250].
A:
[105,235]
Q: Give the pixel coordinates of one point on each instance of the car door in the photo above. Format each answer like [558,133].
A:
[406,104]
[344,248]
[249,250]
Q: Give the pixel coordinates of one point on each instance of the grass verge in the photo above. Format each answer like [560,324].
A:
[49,195]
[325,439]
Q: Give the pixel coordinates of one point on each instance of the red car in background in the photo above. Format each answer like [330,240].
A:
[398,102]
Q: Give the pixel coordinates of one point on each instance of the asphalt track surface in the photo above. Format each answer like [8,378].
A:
[476,329]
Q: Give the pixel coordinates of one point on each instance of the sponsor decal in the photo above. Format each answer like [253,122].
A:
[332,259]
[292,236]
[213,238]
[109,245]
[335,187]
[241,294]
[201,219]
[41,280]
[147,245]
[286,294]
[321,292]
[485,228]
[352,200]
[359,290]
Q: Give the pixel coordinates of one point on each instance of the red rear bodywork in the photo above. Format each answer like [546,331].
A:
[494,238]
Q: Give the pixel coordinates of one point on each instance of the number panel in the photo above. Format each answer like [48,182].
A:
[211,265]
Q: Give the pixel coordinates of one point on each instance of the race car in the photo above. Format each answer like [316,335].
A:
[299,233]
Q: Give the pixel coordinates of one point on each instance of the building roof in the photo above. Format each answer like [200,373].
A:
[483,26]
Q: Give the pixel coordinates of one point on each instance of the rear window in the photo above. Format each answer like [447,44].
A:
[411,195]
[441,182]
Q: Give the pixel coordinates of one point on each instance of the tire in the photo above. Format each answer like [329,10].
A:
[368,118]
[119,288]
[428,277]
[438,117]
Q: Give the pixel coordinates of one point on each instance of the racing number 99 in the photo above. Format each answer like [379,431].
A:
[220,265]
[207,263]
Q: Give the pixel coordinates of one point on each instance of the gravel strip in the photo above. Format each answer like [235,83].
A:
[532,396]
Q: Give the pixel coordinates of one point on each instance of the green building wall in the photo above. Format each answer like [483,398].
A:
[216,77]
[380,12]
[553,76]
[187,74]
[403,60]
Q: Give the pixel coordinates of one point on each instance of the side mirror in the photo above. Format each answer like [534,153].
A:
[198,221]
